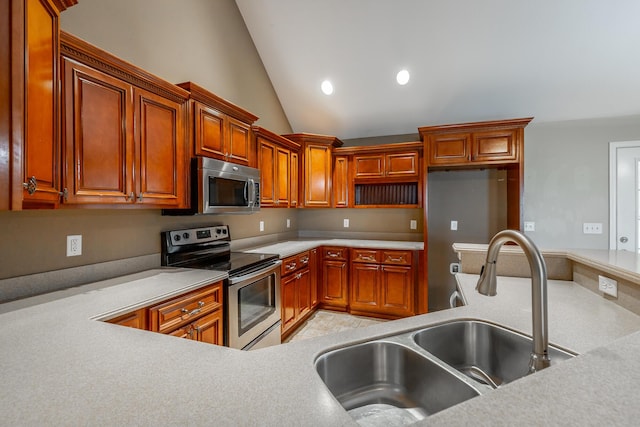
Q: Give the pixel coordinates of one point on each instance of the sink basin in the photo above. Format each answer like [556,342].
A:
[487,353]
[389,383]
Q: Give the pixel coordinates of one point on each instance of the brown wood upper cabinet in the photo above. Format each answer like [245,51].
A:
[125,132]
[497,144]
[469,144]
[220,129]
[380,165]
[29,103]
[316,165]
[278,161]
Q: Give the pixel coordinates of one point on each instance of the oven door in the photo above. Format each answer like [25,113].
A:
[254,304]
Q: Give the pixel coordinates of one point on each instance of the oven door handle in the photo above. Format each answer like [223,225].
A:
[255,274]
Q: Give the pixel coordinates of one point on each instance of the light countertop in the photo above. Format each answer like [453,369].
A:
[60,366]
[292,247]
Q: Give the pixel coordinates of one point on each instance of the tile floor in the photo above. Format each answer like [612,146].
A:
[324,322]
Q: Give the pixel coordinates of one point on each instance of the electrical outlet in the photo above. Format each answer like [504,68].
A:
[454,225]
[345,223]
[74,245]
[529,226]
[288,223]
[592,228]
[413,224]
[261,225]
[454,268]
[608,286]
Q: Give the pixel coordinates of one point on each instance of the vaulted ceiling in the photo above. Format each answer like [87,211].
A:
[469,60]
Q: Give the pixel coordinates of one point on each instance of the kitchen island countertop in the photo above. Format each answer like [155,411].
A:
[61,366]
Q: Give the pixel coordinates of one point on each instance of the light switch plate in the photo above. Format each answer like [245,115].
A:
[454,225]
[345,223]
[261,225]
[288,223]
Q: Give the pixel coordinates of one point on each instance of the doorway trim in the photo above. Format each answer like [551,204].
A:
[613,190]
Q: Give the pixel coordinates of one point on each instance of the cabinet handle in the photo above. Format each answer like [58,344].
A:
[304,260]
[291,266]
[31,185]
[298,276]
[367,258]
[64,194]
[194,311]
[140,196]
[130,196]
[399,259]
[332,254]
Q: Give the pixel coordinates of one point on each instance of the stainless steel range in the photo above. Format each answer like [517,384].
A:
[252,297]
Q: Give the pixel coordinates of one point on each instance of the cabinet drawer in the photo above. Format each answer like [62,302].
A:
[294,263]
[178,311]
[334,253]
[365,255]
[396,257]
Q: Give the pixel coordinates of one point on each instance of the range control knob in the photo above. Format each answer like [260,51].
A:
[176,237]
[185,235]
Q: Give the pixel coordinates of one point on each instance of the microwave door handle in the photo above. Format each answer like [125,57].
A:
[245,193]
[251,193]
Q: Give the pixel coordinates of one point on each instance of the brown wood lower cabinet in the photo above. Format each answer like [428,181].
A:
[382,283]
[196,315]
[297,295]
[334,286]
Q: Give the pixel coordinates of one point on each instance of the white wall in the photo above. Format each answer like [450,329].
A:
[203,41]
[567,178]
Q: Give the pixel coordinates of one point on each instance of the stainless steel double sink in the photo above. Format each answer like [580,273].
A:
[404,378]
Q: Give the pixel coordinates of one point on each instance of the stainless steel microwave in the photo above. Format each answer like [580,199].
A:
[219,187]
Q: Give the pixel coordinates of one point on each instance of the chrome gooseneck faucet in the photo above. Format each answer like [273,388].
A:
[487,286]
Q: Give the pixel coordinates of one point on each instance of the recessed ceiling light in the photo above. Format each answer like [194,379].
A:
[327,87]
[402,77]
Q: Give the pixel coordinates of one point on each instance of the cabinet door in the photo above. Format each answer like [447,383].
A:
[268,178]
[396,296]
[334,283]
[304,292]
[282,177]
[449,148]
[293,183]
[239,149]
[289,310]
[35,102]
[368,166]
[160,143]
[365,286]
[98,140]
[209,328]
[340,182]
[210,132]
[495,145]
[402,164]
[317,176]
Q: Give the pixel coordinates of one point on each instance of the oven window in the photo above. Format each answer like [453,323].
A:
[226,192]
[255,303]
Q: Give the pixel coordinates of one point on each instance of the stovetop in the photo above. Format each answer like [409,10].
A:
[209,248]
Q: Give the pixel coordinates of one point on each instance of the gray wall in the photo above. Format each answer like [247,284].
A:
[567,178]
[477,199]
[202,41]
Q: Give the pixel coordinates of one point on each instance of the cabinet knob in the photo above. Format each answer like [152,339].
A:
[140,196]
